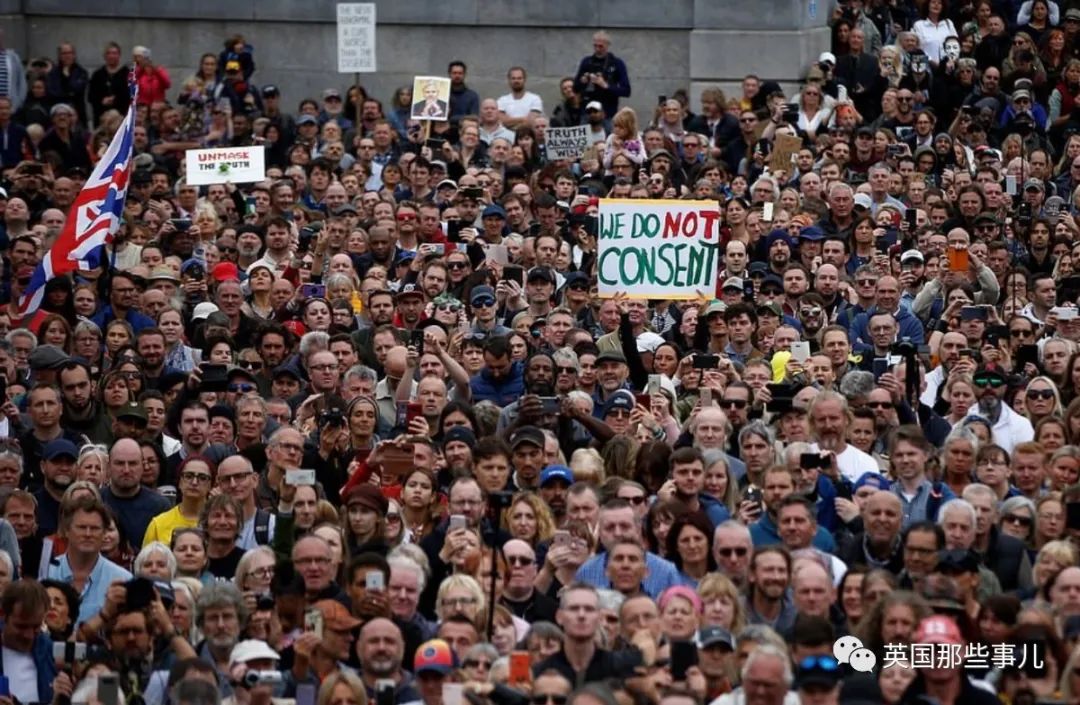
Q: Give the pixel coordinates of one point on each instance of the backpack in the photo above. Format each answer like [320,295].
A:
[262,527]
[933,502]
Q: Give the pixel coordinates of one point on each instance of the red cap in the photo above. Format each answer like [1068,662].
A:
[295,327]
[938,630]
[226,271]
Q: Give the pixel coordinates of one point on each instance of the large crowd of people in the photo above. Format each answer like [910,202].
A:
[365,431]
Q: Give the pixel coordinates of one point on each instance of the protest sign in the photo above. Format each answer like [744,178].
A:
[432,96]
[784,148]
[235,165]
[658,249]
[566,142]
[356,37]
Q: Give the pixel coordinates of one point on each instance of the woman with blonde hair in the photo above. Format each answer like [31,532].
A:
[92,464]
[155,561]
[342,687]
[460,595]
[529,518]
[722,604]
[1042,399]
[588,466]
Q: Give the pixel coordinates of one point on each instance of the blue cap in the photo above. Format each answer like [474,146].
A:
[576,278]
[556,472]
[58,448]
[772,279]
[494,210]
[621,399]
[461,434]
[871,479]
[480,292]
[404,256]
[758,268]
[812,233]
[189,263]
[775,235]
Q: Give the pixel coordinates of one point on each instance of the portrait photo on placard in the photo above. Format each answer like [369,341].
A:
[432,94]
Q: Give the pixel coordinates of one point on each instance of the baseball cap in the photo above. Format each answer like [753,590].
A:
[733,283]
[715,636]
[611,356]
[863,200]
[864,131]
[190,264]
[770,307]
[715,306]
[252,650]
[812,233]
[480,292]
[409,290]
[576,279]
[1018,94]
[648,342]
[827,57]
[871,479]
[495,211]
[1035,184]
[287,369]
[47,357]
[986,217]
[434,656]
[226,271]
[58,448]
[306,120]
[460,434]
[860,689]
[335,615]
[938,630]
[758,268]
[446,183]
[270,91]
[527,434]
[821,671]
[593,105]
[545,273]
[203,310]
[912,255]
[958,560]
[345,208]
[556,472]
[331,93]
[132,410]
[621,399]
[232,65]
[1072,14]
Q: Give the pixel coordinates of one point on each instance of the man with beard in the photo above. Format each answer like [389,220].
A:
[768,603]
[519,595]
[778,245]
[381,650]
[461,452]
[555,482]
[812,314]
[829,419]
[123,295]
[220,614]
[410,305]
[58,470]
[539,382]
[1009,427]
[687,476]
[150,344]
[527,458]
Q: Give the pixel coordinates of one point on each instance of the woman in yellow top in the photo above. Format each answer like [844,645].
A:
[196,476]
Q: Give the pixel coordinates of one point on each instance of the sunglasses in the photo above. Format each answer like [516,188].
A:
[1040,394]
[457,265]
[1017,519]
[810,312]
[406,216]
[545,699]
[739,551]
[1021,333]
[636,501]
[251,364]
[879,404]
[734,403]
[451,308]
[989,381]
[483,302]
[241,387]
[566,370]
[771,291]
[474,663]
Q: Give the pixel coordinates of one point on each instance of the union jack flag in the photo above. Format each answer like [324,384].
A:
[92,221]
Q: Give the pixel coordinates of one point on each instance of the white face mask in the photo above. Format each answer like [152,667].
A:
[952,49]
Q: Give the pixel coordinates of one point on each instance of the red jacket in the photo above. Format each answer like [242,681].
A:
[153,83]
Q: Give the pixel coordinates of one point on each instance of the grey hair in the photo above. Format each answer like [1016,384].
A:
[857,383]
[568,357]
[794,450]
[841,185]
[957,503]
[977,489]
[712,456]
[217,595]
[962,433]
[769,650]
[251,398]
[1014,503]
[313,342]
[21,333]
[335,279]
[403,562]
[13,454]
[757,427]
[772,182]
[482,649]
[84,326]
[578,395]
[363,372]
[148,550]
[610,600]
[813,555]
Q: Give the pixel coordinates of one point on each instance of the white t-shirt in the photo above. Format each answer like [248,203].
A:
[852,462]
[520,107]
[22,675]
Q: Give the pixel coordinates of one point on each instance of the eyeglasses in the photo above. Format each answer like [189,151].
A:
[227,250]
[457,265]
[323,368]
[233,479]
[734,403]
[1021,333]
[825,663]
[313,560]
[476,663]
[451,308]
[459,602]
[243,387]
[1016,519]
[739,551]
[292,447]
[263,573]
[195,477]
[483,302]
[523,561]
[637,501]
[879,404]
[1040,394]
[747,121]
[405,217]
[990,381]
[251,364]
[566,370]
[393,516]
[810,312]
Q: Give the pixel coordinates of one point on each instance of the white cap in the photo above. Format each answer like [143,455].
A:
[594,105]
[203,311]
[648,342]
[252,650]
[827,57]
[912,254]
[863,200]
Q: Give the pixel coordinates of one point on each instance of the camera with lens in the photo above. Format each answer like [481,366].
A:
[334,418]
[500,500]
[904,347]
[254,678]
[264,602]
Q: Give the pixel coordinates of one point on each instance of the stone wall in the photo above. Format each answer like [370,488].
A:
[666,45]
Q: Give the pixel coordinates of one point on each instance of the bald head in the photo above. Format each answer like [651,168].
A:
[396,361]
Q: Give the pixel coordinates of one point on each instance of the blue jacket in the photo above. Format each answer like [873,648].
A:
[910,327]
[502,392]
[716,510]
[826,504]
[41,653]
[763,533]
[137,320]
